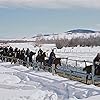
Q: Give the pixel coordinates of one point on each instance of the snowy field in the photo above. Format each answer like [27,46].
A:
[20,83]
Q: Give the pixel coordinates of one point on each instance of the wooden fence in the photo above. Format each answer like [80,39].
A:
[76,70]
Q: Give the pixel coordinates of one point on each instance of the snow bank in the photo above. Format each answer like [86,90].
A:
[21,83]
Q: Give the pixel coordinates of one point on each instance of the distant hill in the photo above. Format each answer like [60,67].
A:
[81,31]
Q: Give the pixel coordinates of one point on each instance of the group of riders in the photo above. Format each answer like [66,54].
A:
[11,54]
[8,52]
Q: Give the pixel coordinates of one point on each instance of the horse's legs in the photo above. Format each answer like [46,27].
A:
[86,78]
[97,71]
[53,69]
[39,66]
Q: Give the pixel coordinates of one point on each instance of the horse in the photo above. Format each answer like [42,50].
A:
[45,63]
[56,61]
[40,58]
[28,59]
[88,70]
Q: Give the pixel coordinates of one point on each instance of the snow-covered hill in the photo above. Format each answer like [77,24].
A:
[73,35]
[68,35]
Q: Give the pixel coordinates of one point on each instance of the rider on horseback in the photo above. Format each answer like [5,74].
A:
[40,52]
[96,63]
[38,58]
[51,57]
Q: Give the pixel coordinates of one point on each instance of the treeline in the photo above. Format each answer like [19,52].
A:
[79,41]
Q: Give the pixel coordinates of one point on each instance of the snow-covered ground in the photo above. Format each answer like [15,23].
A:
[20,83]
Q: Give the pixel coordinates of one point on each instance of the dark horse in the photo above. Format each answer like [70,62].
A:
[88,70]
[41,59]
[28,59]
[56,61]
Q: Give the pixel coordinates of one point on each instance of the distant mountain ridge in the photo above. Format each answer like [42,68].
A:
[68,34]
[81,31]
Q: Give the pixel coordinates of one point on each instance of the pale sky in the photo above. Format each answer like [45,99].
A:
[19,18]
